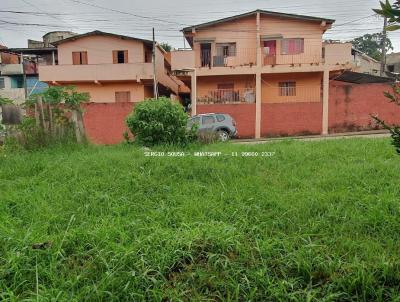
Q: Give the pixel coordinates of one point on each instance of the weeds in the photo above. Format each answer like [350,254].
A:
[317,222]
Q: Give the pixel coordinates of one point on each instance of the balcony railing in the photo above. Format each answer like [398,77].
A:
[96,72]
[240,57]
[224,96]
[307,57]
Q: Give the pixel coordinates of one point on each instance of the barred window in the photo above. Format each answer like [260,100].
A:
[287,88]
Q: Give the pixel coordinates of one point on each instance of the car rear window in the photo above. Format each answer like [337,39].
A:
[207,120]
[220,118]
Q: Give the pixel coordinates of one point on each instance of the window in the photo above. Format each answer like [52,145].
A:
[391,68]
[287,89]
[122,96]
[120,56]
[17,82]
[226,49]
[292,46]
[220,118]
[2,83]
[194,121]
[208,120]
[79,58]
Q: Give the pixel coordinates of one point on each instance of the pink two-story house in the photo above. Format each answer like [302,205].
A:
[267,69]
[117,72]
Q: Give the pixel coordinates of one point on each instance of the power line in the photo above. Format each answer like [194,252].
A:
[127,13]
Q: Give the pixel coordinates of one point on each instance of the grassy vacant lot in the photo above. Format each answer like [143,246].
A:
[319,221]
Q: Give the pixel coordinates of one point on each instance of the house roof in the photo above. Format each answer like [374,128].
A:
[100,33]
[30,51]
[362,78]
[263,12]
[363,54]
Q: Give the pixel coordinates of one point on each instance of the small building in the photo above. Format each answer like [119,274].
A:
[365,64]
[50,38]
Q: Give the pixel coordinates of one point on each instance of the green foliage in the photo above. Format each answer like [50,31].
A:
[317,222]
[28,136]
[394,97]
[370,44]
[5,101]
[166,46]
[161,121]
[392,12]
[65,94]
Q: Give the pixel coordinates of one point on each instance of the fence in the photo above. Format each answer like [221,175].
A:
[240,57]
[224,96]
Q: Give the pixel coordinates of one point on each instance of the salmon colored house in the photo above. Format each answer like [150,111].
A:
[117,71]
[268,70]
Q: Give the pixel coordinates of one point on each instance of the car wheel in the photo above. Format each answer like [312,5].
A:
[223,135]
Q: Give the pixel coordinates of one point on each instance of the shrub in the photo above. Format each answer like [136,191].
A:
[161,121]
[29,136]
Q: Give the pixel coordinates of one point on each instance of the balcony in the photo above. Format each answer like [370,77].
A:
[11,69]
[228,96]
[96,72]
[313,56]
[240,57]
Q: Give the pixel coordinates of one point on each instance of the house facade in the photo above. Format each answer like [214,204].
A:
[111,68]
[270,71]
[117,72]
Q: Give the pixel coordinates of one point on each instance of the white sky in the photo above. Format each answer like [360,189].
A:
[172,15]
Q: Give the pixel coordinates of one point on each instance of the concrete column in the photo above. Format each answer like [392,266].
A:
[194,92]
[258,104]
[325,103]
[258,78]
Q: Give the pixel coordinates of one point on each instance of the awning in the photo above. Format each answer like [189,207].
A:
[362,78]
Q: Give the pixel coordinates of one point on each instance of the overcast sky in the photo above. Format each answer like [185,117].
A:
[353,18]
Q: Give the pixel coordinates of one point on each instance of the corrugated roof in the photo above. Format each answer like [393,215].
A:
[263,12]
[362,78]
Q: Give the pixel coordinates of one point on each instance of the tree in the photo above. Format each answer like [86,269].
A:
[392,12]
[371,44]
[166,46]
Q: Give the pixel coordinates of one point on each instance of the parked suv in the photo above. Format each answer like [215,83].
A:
[222,124]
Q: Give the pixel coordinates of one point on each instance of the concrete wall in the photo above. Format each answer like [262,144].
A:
[243,114]
[182,59]
[291,119]
[105,93]
[105,123]
[17,94]
[351,106]
[100,49]
[290,28]
[338,53]
[308,87]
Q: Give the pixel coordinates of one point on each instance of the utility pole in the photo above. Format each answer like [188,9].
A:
[384,39]
[154,68]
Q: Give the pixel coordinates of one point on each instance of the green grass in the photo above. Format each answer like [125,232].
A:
[319,221]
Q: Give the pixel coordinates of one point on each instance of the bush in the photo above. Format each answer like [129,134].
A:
[161,121]
[29,136]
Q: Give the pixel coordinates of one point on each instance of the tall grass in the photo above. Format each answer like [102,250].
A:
[319,221]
